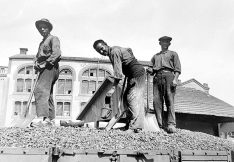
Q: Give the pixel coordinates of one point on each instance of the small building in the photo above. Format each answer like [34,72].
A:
[197,110]
[103,105]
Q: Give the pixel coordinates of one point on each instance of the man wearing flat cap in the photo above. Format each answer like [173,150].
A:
[47,64]
[166,68]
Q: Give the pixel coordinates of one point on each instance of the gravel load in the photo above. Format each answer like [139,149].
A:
[88,138]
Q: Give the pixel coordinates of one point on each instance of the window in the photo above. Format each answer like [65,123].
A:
[21,71]
[25,79]
[85,85]
[64,84]
[101,73]
[28,83]
[93,72]
[66,72]
[20,107]
[64,93]
[59,110]
[66,111]
[17,108]
[92,86]
[20,85]
[29,70]
[91,79]
[63,109]
[61,86]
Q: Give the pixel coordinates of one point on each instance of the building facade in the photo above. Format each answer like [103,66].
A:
[79,78]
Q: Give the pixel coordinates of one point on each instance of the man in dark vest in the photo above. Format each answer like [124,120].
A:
[166,69]
[46,63]
[124,63]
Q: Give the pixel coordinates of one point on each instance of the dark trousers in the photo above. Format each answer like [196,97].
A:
[44,92]
[164,91]
[133,100]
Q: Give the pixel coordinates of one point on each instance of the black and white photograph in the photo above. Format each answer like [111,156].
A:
[116,80]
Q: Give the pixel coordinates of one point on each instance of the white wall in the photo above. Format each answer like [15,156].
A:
[77,68]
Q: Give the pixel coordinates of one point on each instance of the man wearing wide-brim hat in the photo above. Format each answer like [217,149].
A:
[47,64]
[166,69]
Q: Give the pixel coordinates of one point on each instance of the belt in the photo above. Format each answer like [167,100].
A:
[164,70]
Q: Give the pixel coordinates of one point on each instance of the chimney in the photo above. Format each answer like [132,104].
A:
[179,82]
[206,87]
[23,51]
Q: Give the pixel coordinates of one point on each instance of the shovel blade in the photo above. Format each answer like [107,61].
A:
[113,121]
[27,121]
[17,122]
[151,123]
[22,122]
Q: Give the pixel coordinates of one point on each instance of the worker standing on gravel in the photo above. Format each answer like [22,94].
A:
[125,63]
[166,68]
[46,63]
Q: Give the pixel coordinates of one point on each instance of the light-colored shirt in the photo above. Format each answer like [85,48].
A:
[124,62]
[167,59]
[49,50]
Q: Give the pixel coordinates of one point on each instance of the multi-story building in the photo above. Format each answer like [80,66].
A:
[78,80]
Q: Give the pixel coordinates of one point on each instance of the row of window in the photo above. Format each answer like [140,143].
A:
[90,81]
[63,109]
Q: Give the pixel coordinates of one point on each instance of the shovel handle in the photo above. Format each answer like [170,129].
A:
[117,116]
[120,99]
[31,95]
[147,90]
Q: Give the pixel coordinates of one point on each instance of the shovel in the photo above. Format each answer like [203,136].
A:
[117,116]
[150,123]
[26,118]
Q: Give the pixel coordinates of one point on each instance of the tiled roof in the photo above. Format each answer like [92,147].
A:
[192,101]
[195,81]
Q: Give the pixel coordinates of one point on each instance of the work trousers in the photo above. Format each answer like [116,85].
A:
[133,100]
[44,92]
[164,91]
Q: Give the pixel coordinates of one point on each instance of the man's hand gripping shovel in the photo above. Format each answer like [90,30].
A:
[24,119]
[117,116]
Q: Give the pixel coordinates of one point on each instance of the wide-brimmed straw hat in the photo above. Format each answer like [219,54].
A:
[44,21]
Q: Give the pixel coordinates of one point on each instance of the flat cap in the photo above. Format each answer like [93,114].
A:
[165,39]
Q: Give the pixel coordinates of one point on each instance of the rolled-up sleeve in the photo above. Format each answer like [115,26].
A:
[56,52]
[177,64]
[116,63]
[152,61]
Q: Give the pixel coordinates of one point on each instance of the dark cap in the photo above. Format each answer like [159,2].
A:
[165,39]
[44,21]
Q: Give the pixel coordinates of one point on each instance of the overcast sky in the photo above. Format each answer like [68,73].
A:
[202,32]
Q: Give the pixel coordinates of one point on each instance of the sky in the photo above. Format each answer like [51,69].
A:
[202,32]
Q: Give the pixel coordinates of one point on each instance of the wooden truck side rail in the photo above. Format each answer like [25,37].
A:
[68,155]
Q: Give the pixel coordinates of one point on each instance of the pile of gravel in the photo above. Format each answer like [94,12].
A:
[87,138]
